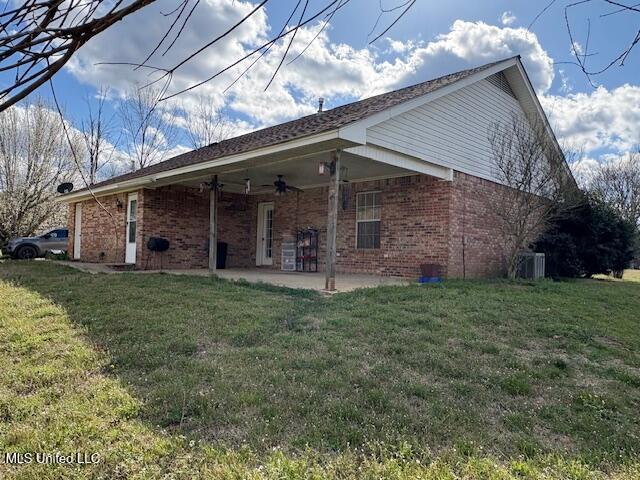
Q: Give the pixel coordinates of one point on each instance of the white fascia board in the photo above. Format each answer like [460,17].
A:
[282,147]
[149,180]
[120,187]
[403,161]
[355,130]
[542,114]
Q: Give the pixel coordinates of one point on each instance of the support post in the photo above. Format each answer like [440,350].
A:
[213,225]
[332,223]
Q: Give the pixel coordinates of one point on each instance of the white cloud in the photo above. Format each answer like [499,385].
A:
[566,86]
[397,46]
[508,18]
[337,72]
[584,170]
[576,49]
[601,119]
[469,44]
[340,72]
[127,42]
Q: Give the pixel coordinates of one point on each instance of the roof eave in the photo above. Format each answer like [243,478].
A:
[356,130]
[543,116]
[324,141]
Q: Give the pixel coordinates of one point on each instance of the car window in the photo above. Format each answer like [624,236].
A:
[62,233]
[51,234]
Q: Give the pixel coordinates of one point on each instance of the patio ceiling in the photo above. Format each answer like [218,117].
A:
[301,172]
[298,163]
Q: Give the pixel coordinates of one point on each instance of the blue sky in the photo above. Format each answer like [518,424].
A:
[434,38]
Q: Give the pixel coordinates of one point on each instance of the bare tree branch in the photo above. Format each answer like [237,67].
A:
[148,131]
[34,159]
[618,183]
[537,186]
[207,124]
[583,56]
[43,36]
[97,131]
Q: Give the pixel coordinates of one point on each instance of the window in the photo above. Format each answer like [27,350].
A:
[368,220]
[62,233]
[133,204]
[268,232]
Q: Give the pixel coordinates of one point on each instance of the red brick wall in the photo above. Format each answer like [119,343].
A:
[181,215]
[103,237]
[423,220]
[474,245]
[414,225]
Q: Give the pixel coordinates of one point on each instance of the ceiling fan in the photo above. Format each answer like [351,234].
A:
[282,187]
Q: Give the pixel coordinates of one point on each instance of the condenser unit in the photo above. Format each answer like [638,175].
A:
[531,265]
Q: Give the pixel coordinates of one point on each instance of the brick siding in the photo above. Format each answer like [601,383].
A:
[181,215]
[102,235]
[474,245]
[423,220]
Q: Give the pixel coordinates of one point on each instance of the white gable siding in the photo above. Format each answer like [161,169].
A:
[451,131]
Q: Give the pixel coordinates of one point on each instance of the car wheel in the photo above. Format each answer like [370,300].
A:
[26,253]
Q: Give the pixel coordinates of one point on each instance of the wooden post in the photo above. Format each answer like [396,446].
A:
[332,223]
[213,225]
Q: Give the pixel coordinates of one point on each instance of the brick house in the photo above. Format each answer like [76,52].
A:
[388,183]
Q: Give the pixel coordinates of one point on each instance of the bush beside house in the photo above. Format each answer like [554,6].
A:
[594,239]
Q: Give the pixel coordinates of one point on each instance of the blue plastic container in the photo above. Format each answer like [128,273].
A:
[429,279]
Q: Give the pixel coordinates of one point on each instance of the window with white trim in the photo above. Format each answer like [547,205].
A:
[368,220]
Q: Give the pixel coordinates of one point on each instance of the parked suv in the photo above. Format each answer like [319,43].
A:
[32,247]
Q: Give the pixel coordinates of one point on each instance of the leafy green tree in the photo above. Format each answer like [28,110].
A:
[594,239]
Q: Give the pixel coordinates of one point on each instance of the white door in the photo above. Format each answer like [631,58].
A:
[264,254]
[132,207]
[77,232]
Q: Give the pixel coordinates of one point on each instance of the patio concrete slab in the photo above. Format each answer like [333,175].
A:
[310,281]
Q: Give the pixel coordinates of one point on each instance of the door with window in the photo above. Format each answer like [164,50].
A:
[132,213]
[77,232]
[264,254]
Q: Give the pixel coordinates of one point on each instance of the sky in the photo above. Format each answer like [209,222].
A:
[434,38]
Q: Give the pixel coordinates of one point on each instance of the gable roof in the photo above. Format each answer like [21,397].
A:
[302,127]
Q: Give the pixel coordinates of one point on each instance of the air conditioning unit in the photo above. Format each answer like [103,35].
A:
[531,265]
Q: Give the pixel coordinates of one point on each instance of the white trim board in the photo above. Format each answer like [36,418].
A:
[148,180]
[357,131]
[401,160]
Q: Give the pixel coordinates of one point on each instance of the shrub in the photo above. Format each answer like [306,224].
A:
[593,239]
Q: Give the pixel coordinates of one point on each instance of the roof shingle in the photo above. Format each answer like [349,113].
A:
[301,127]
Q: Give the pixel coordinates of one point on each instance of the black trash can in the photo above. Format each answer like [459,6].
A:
[221,255]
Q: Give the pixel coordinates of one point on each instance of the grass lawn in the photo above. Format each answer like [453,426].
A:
[187,376]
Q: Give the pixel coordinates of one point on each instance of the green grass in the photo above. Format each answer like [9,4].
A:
[189,376]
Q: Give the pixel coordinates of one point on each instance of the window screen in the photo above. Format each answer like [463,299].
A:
[368,220]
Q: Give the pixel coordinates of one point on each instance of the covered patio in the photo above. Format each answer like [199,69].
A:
[245,201]
[344,282]
[308,281]
[238,201]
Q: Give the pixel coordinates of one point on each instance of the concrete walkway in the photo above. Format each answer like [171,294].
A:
[310,281]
